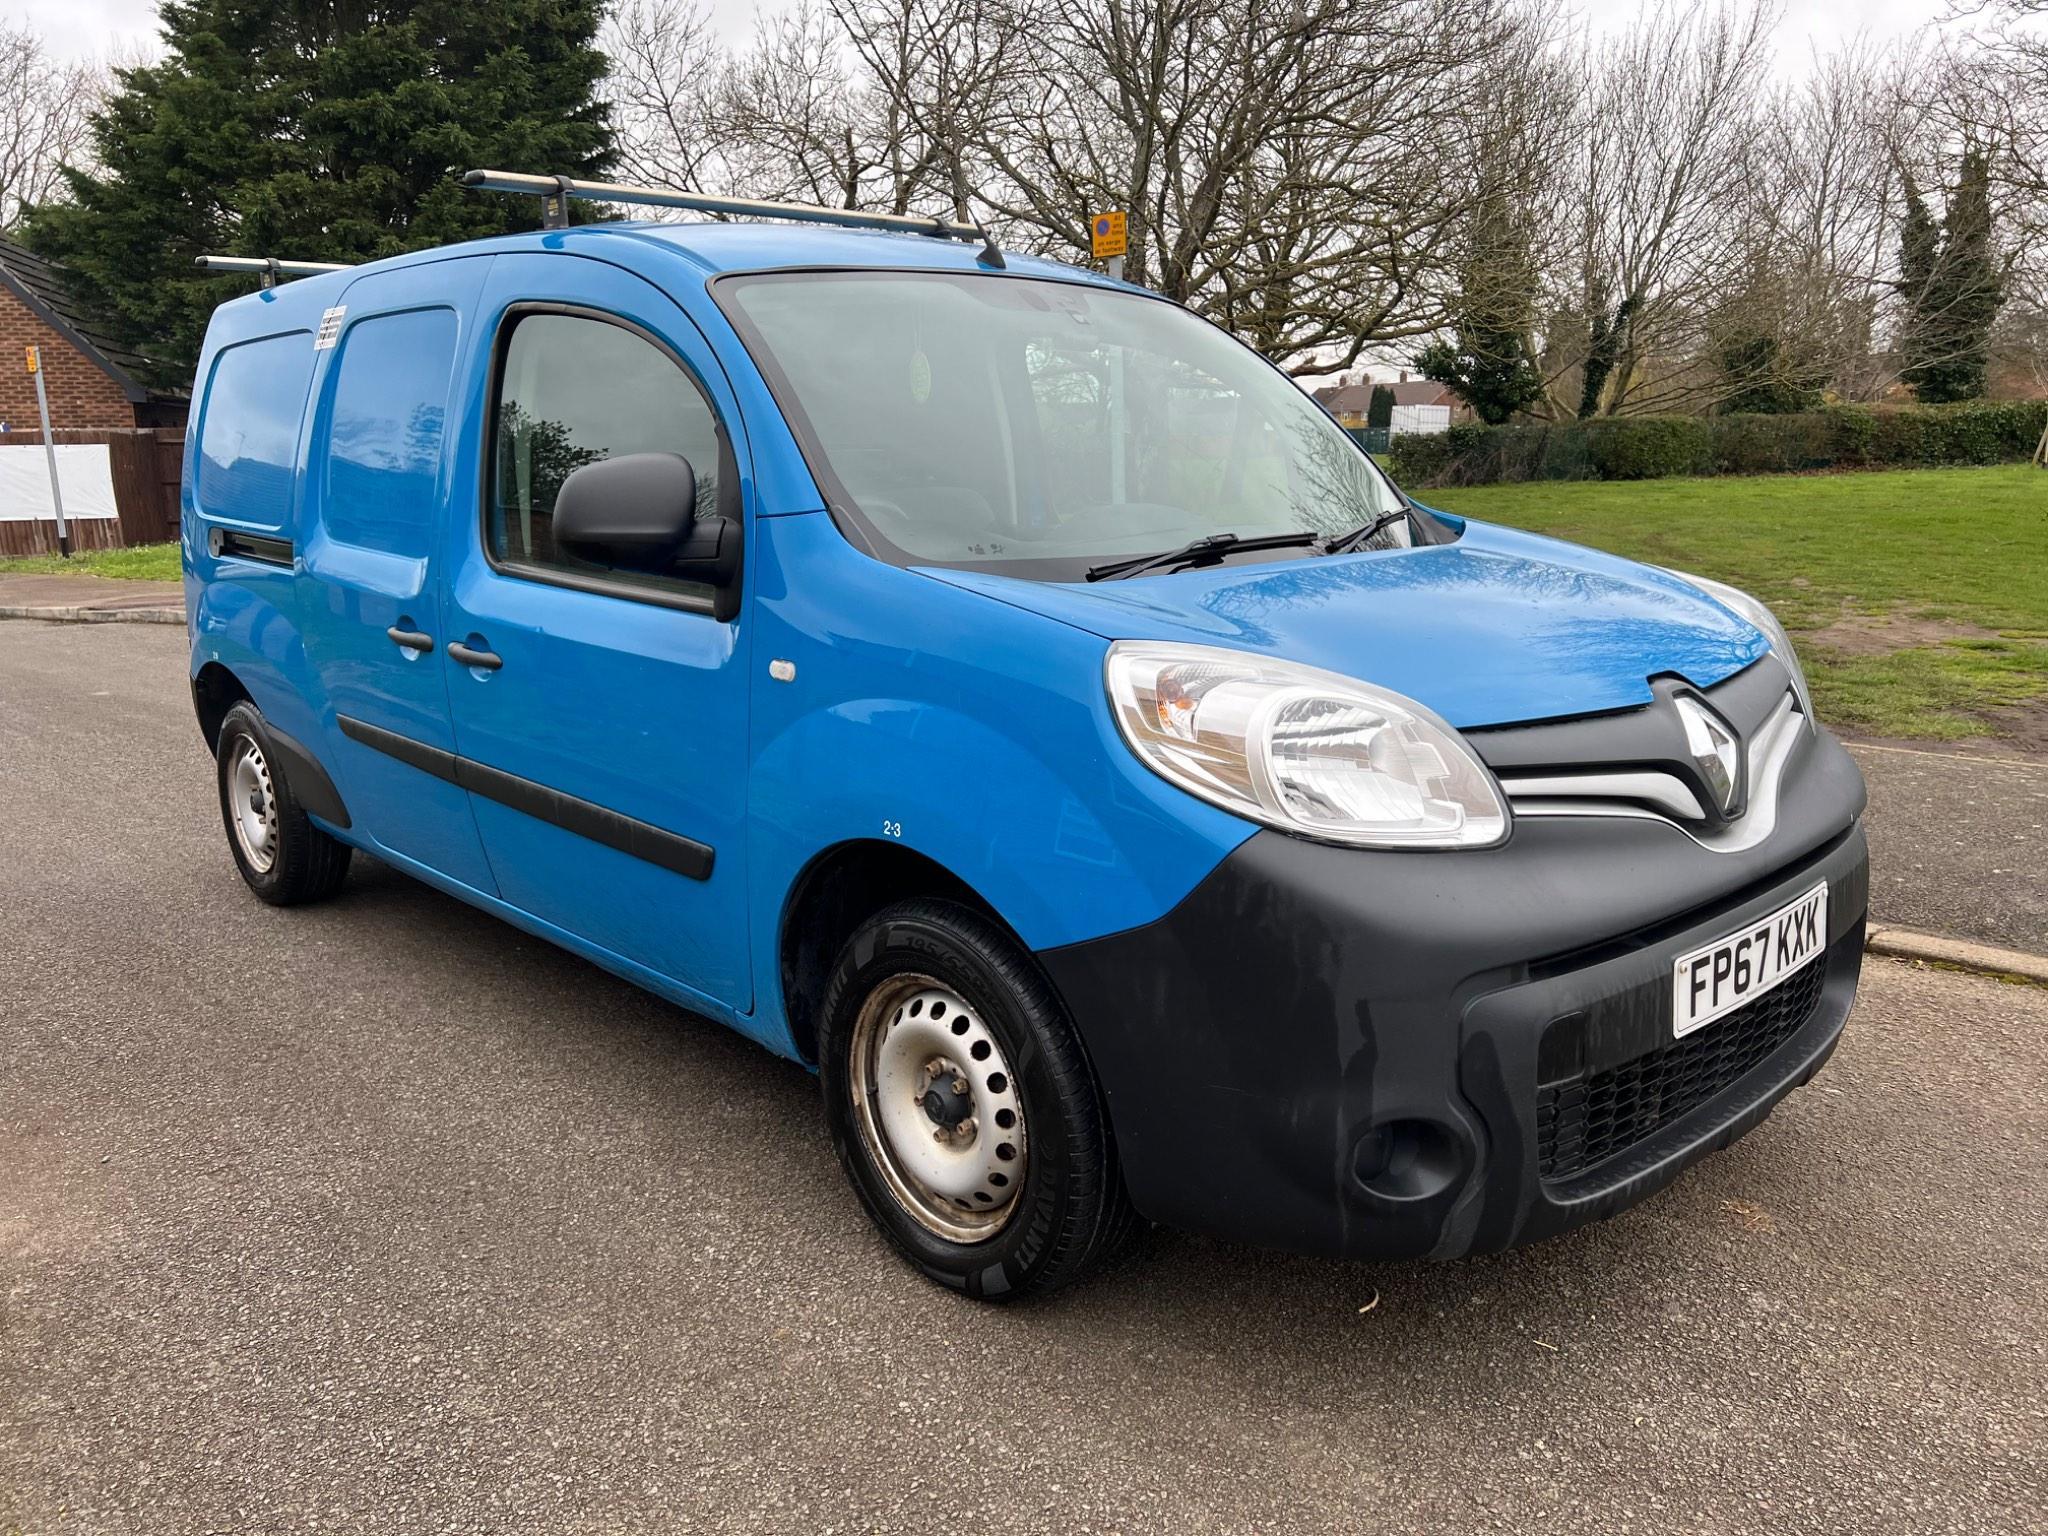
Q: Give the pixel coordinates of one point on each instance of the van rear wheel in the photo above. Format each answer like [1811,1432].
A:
[283,857]
[963,1107]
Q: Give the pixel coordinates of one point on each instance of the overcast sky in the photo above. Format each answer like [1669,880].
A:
[79,28]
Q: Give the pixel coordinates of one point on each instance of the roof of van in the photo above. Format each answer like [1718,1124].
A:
[709,248]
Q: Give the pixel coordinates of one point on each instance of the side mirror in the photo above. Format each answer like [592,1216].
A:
[635,510]
[639,512]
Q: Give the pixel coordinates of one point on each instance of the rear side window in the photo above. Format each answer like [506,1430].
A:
[573,390]
[249,432]
[384,426]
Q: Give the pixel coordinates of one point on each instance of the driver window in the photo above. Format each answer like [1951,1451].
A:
[573,390]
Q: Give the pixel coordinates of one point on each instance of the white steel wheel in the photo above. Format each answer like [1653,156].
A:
[252,804]
[938,1108]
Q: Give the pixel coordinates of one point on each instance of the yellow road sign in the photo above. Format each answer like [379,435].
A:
[35,361]
[1108,232]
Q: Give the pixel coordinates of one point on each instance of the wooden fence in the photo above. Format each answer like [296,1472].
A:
[146,464]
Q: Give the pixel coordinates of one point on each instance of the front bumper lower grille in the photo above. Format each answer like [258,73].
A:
[1583,1121]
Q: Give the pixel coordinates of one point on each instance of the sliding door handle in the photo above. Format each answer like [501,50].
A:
[489,661]
[411,639]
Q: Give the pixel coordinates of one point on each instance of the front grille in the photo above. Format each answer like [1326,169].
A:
[1583,1121]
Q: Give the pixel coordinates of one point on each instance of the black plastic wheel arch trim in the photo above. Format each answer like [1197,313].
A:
[641,839]
[309,781]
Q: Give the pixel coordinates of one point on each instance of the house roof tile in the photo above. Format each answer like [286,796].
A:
[44,286]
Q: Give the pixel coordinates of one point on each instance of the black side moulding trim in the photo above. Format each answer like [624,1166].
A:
[643,840]
[414,754]
[309,781]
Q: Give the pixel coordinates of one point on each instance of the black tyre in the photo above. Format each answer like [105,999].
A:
[283,856]
[963,1107]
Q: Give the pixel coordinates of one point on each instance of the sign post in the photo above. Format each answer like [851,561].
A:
[35,368]
[1108,237]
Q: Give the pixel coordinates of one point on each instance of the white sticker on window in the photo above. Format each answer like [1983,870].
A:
[330,328]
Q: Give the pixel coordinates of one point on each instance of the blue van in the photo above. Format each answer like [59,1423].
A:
[1001,691]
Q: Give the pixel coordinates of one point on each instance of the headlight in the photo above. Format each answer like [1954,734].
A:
[1749,608]
[1306,751]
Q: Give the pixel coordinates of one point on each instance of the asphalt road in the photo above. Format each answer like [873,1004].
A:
[383,1217]
[1959,843]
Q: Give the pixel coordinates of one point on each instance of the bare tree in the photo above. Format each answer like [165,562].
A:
[1819,208]
[45,120]
[2007,60]
[1669,108]
[1296,172]
[796,113]
[1994,86]
[1299,173]
[664,87]
[798,125]
[1327,178]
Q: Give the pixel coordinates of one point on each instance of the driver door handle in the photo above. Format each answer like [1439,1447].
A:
[411,639]
[489,661]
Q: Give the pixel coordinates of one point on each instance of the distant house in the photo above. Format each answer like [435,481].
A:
[118,441]
[1347,402]
[92,383]
[1420,405]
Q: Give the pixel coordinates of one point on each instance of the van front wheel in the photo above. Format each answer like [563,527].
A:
[963,1108]
[284,858]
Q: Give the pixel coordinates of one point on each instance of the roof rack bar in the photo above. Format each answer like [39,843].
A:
[269,268]
[555,192]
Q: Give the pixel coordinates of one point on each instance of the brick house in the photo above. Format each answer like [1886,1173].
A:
[92,383]
[1349,402]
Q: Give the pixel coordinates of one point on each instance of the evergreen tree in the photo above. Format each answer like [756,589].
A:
[1919,244]
[1603,351]
[1379,410]
[1764,377]
[1490,363]
[1766,351]
[1953,286]
[317,131]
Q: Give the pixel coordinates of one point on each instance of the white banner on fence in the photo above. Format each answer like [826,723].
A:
[83,469]
[1420,420]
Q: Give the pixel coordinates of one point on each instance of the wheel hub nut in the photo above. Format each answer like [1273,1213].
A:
[939,1111]
[947,1100]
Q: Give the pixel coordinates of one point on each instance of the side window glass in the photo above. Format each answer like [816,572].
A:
[572,391]
[249,430]
[384,430]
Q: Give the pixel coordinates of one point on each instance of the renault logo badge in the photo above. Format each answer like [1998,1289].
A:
[1715,748]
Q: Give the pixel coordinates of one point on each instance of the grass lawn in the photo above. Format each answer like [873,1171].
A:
[1918,598]
[145,562]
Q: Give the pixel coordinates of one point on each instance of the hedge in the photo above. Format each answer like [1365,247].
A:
[1649,447]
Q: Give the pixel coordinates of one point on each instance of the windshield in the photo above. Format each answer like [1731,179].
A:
[1035,427]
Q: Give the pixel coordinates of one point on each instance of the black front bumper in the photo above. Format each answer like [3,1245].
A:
[1398,1054]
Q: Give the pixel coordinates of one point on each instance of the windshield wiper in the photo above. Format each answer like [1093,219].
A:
[1211,545]
[1344,543]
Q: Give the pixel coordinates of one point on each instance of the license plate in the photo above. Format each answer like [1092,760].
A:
[1741,967]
